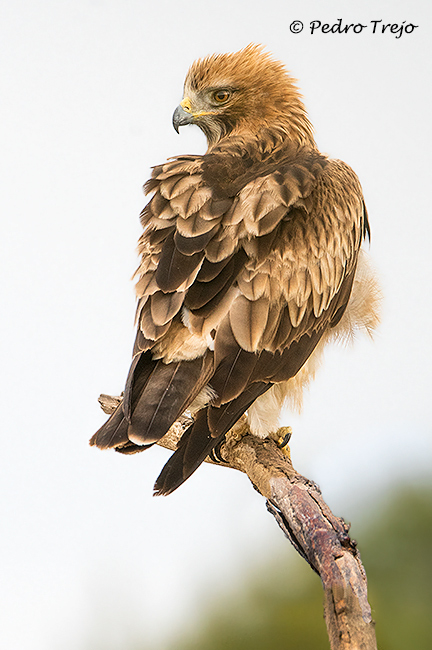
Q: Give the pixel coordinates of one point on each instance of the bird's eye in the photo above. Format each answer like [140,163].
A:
[221,96]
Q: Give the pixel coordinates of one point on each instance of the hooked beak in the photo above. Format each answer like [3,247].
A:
[181,118]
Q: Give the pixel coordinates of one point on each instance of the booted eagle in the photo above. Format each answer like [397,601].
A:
[250,264]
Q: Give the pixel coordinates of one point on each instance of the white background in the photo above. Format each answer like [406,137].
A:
[87,91]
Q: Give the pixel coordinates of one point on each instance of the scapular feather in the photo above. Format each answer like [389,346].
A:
[164,306]
[248,319]
[190,245]
[147,325]
[210,270]
[190,201]
[174,267]
[178,184]
[195,225]
[203,297]
[266,223]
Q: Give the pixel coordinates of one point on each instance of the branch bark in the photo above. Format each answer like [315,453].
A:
[317,535]
[320,537]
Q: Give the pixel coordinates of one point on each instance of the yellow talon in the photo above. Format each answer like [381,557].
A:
[284,434]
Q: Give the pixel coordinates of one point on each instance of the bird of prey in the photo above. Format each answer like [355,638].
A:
[250,264]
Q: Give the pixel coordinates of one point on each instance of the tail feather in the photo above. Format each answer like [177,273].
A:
[130,448]
[221,419]
[195,444]
[156,395]
[168,392]
[208,430]
[113,433]
[139,374]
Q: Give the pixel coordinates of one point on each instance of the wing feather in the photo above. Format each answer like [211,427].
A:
[204,296]
[178,184]
[223,246]
[248,249]
[190,201]
[248,319]
[148,327]
[195,225]
[188,245]
[174,268]
[164,306]
[167,393]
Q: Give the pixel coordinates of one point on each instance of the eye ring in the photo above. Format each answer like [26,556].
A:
[222,95]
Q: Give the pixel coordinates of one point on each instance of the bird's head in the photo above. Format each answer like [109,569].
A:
[242,93]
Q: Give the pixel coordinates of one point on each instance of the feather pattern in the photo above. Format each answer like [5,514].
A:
[248,258]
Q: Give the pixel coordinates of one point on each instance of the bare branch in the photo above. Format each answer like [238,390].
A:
[317,535]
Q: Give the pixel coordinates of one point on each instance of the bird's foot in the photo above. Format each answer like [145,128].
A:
[282,437]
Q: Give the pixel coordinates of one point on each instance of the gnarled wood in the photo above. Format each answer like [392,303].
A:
[301,512]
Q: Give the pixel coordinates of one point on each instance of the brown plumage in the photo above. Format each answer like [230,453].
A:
[250,263]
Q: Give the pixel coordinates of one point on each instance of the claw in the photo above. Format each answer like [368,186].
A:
[284,434]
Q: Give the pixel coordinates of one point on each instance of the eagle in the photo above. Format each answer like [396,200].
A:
[250,263]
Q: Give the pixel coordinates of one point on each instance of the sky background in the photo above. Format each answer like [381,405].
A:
[88,89]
